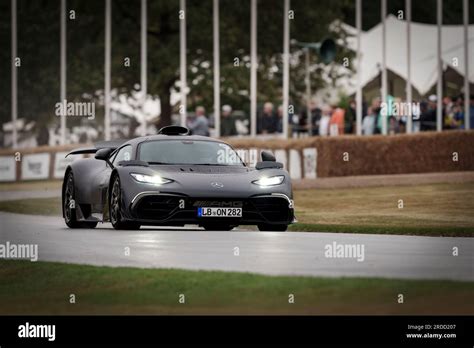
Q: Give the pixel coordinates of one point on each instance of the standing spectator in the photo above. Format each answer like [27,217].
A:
[376,109]
[43,135]
[198,124]
[336,125]
[393,125]
[401,116]
[316,114]
[324,122]
[349,117]
[455,118]
[417,121]
[448,114]
[227,122]
[428,119]
[280,119]
[303,124]
[268,120]
[368,123]
[386,110]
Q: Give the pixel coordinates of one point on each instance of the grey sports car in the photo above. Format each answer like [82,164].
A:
[174,179]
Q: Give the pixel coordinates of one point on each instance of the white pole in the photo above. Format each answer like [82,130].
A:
[359,68]
[467,120]
[108,37]
[253,68]
[62,92]
[143,65]
[439,86]
[182,60]
[286,67]
[14,75]
[308,92]
[384,65]
[409,100]
[217,85]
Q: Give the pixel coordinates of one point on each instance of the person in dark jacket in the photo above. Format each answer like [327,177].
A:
[43,135]
[428,117]
[227,122]
[268,120]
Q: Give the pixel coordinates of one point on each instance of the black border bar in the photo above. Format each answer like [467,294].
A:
[133,330]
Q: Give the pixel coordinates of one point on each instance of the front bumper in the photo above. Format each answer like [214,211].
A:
[174,209]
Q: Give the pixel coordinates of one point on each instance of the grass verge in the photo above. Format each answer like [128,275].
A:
[45,288]
[34,206]
[31,185]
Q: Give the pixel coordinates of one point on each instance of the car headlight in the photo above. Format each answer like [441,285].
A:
[269,181]
[150,179]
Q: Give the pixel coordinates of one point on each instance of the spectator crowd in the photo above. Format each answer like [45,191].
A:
[334,120]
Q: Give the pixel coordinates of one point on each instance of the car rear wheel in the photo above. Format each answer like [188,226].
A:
[115,209]
[271,227]
[69,206]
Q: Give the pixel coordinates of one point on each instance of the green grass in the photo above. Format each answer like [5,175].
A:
[44,288]
[434,209]
[428,210]
[423,205]
[35,206]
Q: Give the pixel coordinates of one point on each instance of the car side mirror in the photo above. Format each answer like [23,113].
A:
[268,157]
[103,154]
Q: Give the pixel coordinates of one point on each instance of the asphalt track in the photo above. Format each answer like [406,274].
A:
[273,253]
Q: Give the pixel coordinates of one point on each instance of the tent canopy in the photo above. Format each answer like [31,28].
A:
[424,72]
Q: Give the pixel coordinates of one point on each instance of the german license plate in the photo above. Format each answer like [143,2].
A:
[219,212]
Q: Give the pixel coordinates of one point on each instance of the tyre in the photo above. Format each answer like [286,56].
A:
[69,206]
[115,209]
[270,227]
[218,227]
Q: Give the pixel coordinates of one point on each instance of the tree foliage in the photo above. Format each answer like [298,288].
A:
[38,48]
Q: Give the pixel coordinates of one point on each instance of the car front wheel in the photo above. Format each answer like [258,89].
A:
[115,209]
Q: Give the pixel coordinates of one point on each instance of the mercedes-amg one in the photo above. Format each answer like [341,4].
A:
[173,179]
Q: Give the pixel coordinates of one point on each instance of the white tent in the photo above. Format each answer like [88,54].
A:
[423,51]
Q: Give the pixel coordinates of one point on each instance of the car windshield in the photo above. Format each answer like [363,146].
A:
[196,152]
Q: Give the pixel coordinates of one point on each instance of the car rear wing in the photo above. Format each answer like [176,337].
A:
[112,144]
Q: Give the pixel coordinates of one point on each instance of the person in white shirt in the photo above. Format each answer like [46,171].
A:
[324,122]
[368,123]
